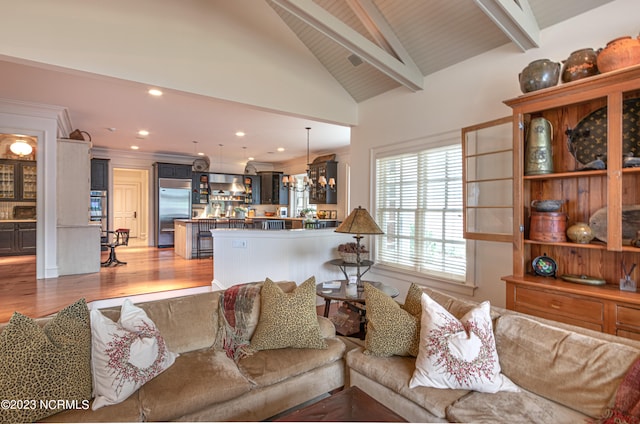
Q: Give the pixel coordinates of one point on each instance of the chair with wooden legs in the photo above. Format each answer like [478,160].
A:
[119,237]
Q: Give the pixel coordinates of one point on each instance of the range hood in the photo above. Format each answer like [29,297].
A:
[226,183]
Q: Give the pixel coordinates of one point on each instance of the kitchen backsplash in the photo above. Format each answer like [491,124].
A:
[6,208]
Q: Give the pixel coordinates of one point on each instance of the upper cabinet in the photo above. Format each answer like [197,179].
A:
[272,190]
[323,170]
[18,180]
[172,170]
[579,143]
[99,174]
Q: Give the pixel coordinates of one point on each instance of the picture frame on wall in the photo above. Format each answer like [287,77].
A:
[333,214]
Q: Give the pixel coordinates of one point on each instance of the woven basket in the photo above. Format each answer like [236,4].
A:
[352,258]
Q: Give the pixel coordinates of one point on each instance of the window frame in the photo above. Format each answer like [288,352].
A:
[415,146]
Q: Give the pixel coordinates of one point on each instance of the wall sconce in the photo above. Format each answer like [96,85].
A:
[322,180]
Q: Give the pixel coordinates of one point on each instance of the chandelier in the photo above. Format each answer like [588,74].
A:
[290,180]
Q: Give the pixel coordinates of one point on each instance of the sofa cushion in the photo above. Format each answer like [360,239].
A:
[575,370]
[511,407]
[392,329]
[288,319]
[196,380]
[458,354]
[49,363]
[126,355]
[456,307]
[394,372]
[268,367]
[187,323]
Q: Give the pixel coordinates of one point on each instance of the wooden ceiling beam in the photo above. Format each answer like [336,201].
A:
[515,19]
[406,74]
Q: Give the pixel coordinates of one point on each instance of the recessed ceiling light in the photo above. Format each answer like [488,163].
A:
[143,133]
[240,134]
[251,158]
[155,92]
[134,147]
[200,154]
[281,149]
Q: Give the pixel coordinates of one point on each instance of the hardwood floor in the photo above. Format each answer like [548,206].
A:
[148,270]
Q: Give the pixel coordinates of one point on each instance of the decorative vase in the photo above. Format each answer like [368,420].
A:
[580,64]
[240,215]
[538,158]
[539,74]
[580,232]
[619,53]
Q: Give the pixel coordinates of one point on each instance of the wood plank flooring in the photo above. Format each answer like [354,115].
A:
[148,270]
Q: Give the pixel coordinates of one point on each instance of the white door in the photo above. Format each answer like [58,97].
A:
[126,205]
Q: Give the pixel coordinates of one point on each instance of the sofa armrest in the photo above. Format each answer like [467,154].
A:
[327,329]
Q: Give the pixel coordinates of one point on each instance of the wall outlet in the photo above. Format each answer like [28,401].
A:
[242,244]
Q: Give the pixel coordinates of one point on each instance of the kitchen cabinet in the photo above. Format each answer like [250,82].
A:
[172,170]
[17,238]
[200,188]
[272,190]
[100,174]
[317,193]
[609,103]
[252,189]
[18,180]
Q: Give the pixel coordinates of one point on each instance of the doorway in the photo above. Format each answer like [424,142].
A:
[130,203]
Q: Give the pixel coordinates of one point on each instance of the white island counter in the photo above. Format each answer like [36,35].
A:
[252,255]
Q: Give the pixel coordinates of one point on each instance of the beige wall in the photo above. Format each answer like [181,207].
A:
[467,94]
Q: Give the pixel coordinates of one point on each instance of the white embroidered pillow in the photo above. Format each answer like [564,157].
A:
[125,355]
[458,354]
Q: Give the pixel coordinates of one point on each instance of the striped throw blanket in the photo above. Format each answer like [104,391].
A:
[239,313]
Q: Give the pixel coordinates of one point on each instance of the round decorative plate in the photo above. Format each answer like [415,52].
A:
[588,140]
[544,266]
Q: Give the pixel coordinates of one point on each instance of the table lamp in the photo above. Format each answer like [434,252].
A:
[359,222]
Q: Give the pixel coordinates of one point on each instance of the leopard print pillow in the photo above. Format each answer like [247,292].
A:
[392,329]
[288,319]
[45,364]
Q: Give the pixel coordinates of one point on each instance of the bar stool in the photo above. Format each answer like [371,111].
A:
[204,233]
[272,224]
[236,223]
[120,237]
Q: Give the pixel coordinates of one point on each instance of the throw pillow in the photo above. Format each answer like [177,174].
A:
[392,329]
[288,319]
[125,355]
[458,354]
[45,364]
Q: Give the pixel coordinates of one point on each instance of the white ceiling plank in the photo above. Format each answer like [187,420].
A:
[350,39]
[517,22]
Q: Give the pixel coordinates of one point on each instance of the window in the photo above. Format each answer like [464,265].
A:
[419,207]
[300,198]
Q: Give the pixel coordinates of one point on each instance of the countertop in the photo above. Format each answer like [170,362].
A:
[17,220]
[261,217]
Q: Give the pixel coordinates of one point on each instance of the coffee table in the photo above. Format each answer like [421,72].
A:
[351,404]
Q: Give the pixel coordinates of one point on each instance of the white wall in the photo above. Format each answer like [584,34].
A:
[467,94]
[180,45]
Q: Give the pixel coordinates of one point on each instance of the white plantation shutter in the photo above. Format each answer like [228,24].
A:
[419,208]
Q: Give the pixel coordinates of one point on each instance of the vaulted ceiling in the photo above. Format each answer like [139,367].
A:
[368,46]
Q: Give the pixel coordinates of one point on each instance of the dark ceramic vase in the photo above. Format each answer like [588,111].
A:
[539,74]
[580,64]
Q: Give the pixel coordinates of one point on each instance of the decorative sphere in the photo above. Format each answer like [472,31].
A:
[580,232]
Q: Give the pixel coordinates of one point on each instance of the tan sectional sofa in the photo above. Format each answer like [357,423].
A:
[205,385]
[567,374]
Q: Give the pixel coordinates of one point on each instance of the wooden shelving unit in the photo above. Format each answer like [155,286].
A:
[604,308]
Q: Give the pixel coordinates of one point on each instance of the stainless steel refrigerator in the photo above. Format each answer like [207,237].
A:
[174,202]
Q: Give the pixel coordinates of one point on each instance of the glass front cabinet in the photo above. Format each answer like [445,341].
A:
[578,144]
[18,180]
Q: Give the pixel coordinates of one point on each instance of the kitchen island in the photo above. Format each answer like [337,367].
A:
[186,230]
[253,255]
